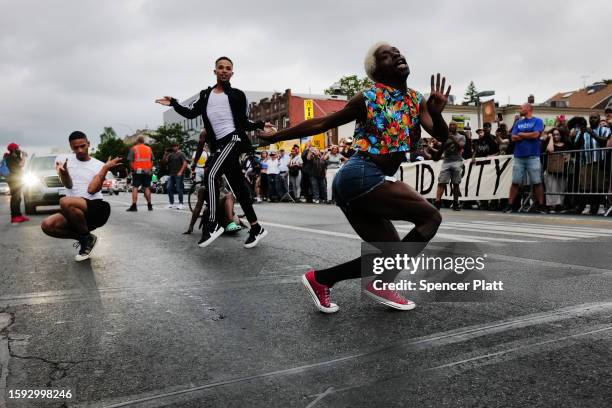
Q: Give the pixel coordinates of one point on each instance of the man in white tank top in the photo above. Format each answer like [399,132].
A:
[224,114]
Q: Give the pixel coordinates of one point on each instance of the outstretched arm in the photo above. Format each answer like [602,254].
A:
[187,112]
[354,110]
[431,112]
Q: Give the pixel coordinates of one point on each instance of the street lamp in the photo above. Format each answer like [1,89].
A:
[478,96]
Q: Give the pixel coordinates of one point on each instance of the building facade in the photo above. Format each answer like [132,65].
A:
[289,109]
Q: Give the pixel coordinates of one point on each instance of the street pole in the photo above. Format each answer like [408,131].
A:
[478,110]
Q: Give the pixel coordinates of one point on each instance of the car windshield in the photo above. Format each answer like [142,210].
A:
[43,163]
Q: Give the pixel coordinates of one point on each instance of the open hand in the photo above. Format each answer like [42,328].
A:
[268,132]
[437,98]
[166,100]
[61,168]
[110,163]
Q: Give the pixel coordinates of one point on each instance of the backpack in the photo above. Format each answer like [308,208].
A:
[4,169]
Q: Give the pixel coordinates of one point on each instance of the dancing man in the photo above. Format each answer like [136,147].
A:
[388,119]
[82,210]
[224,113]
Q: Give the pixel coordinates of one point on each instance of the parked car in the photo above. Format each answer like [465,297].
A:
[109,185]
[41,184]
[4,188]
[122,184]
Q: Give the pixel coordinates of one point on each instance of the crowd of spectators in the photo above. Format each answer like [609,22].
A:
[299,176]
[575,178]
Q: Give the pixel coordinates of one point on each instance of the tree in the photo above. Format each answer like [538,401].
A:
[111,146]
[470,93]
[109,133]
[349,85]
[164,137]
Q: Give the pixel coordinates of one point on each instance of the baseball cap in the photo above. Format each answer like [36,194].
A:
[12,146]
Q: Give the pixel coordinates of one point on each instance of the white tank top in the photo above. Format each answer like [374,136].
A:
[220,114]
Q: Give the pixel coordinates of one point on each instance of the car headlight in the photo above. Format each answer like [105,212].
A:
[30,180]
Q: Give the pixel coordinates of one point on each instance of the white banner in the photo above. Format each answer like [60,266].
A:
[486,178]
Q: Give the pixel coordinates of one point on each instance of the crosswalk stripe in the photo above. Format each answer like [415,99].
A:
[549,226]
[468,238]
[527,230]
[531,235]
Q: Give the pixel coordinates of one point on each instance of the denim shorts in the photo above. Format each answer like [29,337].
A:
[527,166]
[358,176]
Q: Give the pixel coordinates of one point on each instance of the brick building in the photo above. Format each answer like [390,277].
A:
[289,109]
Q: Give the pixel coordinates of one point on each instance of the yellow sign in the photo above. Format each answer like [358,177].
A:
[308,109]
[317,141]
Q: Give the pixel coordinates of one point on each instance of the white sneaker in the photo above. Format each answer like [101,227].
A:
[316,201]
[170,206]
[180,207]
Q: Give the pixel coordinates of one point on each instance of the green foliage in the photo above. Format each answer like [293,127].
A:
[111,146]
[349,85]
[470,93]
[109,133]
[164,137]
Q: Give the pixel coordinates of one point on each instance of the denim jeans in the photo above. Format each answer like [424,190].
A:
[175,184]
[319,188]
[273,186]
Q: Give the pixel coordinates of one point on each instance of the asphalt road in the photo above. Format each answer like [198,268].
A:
[153,320]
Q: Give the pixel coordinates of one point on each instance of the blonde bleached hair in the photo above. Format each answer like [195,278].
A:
[369,62]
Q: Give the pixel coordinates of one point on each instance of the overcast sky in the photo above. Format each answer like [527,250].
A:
[82,64]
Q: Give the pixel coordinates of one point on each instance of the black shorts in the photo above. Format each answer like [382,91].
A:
[142,179]
[97,213]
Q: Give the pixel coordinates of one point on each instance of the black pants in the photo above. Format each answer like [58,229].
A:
[15,187]
[227,162]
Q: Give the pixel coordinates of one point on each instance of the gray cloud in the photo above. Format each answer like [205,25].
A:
[68,65]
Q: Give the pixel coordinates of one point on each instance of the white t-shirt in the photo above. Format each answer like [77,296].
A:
[283,162]
[219,114]
[81,173]
[273,166]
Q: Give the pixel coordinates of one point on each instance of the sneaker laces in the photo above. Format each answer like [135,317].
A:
[393,296]
[324,295]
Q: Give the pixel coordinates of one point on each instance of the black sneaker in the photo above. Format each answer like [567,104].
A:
[438,204]
[456,207]
[211,232]
[150,206]
[87,247]
[509,210]
[132,208]
[256,233]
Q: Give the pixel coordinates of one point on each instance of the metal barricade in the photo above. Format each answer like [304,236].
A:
[578,173]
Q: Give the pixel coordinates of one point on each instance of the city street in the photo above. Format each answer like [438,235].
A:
[153,320]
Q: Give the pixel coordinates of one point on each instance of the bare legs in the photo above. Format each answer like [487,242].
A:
[370,217]
[70,223]
[147,194]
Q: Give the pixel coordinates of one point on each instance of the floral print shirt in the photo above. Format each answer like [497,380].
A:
[391,116]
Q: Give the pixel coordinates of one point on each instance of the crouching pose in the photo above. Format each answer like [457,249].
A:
[82,210]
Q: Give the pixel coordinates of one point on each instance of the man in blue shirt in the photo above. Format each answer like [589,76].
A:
[526,138]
